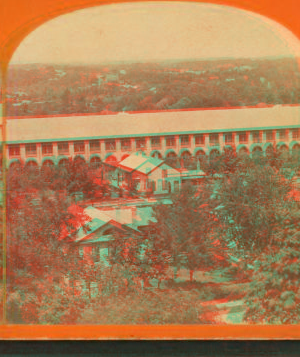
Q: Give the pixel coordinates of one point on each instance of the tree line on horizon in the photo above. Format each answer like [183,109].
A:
[34,90]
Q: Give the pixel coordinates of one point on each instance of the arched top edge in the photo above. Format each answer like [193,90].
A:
[13,36]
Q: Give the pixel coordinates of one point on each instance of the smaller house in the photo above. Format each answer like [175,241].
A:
[94,232]
[147,175]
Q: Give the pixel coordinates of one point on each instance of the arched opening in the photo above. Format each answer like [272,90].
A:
[156,154]
[270,152]
[283,152]
[186,159]
[200,159]
[48,163]
[257,152]
[214,153]
[14,172]
[243,152]
[200,155]
[124,157]
[48,170]
[296,152]
[78,160]
[95,162]
[31,169]
[15,166]
[111,159]
[171,159]
[64,163]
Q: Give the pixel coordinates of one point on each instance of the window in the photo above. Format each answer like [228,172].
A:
[185,140]
[104,253]
[269,135]
[47,149]
[148,184]
[214,139]
[80,251]
[125,144]
[30,149]
[95,253]
[14,150]
[282,134]
[79,147]
[140,143]
[199,140]
[170,141]
[295,134]
[228,138]
[256,136]
[110,145]
[63,148]
[95,145]
[243,137]
[164,173]
[153,186]
[155,142]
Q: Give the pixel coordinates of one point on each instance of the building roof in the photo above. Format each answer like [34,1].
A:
[153,123]
[140,162]
[133,161]
[94,219]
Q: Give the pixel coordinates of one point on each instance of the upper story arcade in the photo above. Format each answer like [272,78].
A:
[182,133]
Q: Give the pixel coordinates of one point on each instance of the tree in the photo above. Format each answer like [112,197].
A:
[186,228]
[274,294]
[250,200]
[36,256]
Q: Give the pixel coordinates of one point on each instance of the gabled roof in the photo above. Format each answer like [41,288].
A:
[140,162]
[133,161]
[95,220]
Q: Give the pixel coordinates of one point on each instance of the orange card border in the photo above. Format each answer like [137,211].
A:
[15,27]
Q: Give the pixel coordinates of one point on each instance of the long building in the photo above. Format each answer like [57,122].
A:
[166,134]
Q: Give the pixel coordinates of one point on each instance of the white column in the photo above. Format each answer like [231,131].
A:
[221,141]
[55,150]
[235,137]
[22,153]
[118,149]
[102,149]
[163,145]
[147,146]
[250,138]
[262,134]
[118,146]
[289,135]
[192,144]
[7,158]
[206,140]
[177,144]
[133,146]
[39,153]
[71,149]
[87,150]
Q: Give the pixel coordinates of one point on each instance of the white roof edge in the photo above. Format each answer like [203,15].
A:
[151,124]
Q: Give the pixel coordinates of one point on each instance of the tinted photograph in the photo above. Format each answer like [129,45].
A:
[153,168]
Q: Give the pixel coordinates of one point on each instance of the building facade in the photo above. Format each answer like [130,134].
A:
[168,134]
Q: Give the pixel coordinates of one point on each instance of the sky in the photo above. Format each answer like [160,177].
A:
[155,31]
